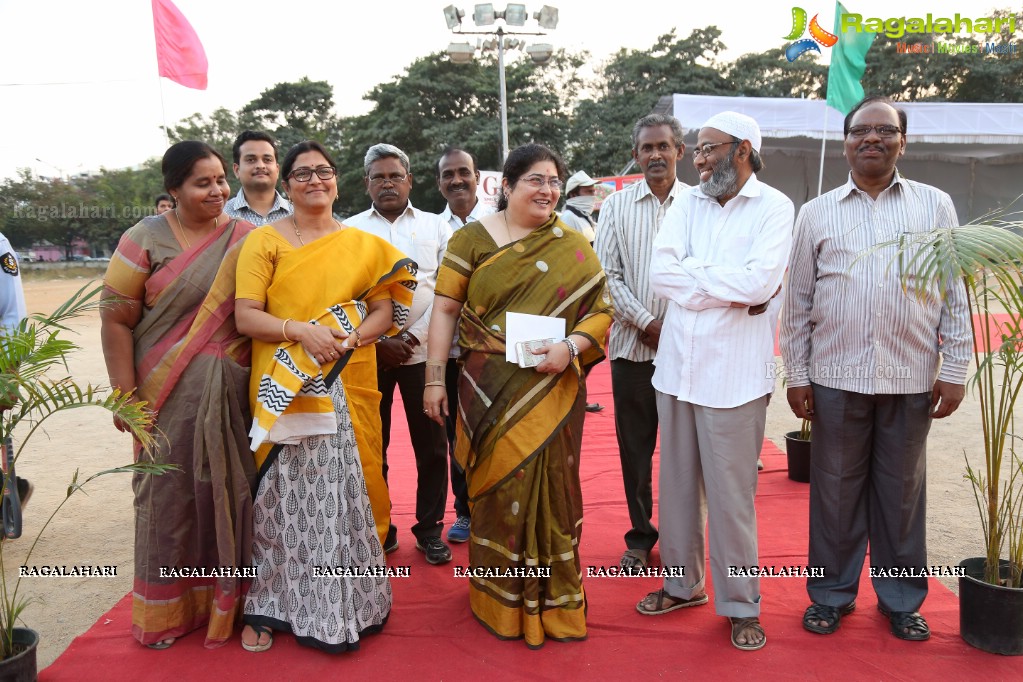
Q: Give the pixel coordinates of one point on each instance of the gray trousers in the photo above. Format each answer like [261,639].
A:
[709,473]
[868,482]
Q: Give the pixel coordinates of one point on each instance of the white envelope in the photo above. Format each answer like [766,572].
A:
[526,327]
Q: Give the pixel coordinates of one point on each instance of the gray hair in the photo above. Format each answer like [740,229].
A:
[755,161]
[654,120]
[385,151]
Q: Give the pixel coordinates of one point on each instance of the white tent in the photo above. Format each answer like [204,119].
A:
[972,151]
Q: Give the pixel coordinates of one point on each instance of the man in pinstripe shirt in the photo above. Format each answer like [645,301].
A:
[862,359]
[629,221]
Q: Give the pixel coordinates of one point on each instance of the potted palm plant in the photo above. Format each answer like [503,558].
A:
[797,452]
[34,386]
[988,257]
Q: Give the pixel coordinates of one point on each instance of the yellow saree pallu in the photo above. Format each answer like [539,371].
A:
[329,282]
[192,368]
[520,432]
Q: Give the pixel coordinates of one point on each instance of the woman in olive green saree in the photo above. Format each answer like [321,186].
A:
[519,429]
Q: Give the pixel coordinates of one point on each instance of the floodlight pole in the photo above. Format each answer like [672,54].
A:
[504,94]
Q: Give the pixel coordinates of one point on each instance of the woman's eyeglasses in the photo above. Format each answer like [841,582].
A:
[538,181]
[306,174]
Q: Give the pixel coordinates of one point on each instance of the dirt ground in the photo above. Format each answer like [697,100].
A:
[96,528]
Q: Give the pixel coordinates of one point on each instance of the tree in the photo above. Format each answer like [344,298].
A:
[218,130]
[436,103]
[293,112]
[632,83]
[769,74]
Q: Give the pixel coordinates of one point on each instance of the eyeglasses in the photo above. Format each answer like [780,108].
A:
[883,131]
[381,179]
[538,181]
[306,174]
[706,149]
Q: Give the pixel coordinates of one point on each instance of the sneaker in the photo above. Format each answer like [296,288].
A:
[391,541]
[459,532]
[435,549]
[24,490]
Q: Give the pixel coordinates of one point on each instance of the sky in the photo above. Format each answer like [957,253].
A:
[79,90]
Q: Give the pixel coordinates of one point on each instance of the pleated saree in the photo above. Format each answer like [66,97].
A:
[519,432]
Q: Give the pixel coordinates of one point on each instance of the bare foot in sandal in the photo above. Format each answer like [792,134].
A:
[656,603]
[257,638]
[747,634]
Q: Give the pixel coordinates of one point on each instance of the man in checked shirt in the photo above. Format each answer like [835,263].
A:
[862,362]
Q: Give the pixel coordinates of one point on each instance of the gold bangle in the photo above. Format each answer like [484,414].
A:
[284,329]
[358,337]
[435,383]
[436,363]
[433,373]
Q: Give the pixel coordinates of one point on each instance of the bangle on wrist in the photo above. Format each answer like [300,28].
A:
[434,373]
[436,383]
[284,329]
[573,350]
[358,337]
[436,363]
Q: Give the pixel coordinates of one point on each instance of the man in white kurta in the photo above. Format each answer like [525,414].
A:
[719,259]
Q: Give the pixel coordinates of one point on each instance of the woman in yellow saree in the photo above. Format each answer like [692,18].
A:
[314,295]
[519,429]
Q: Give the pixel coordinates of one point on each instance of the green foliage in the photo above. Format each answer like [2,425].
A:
[988,258]
[292,112]
[33,388]
[631,83]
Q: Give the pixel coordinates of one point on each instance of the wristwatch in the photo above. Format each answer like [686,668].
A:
[409,339]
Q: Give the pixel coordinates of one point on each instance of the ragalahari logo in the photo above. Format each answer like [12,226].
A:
[817,35]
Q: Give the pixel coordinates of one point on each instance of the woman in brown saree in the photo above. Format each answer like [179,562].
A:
[520,430]
[169,335]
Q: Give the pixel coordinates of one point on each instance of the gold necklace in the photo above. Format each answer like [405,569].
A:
[507,228]
[298,233]
[181,228]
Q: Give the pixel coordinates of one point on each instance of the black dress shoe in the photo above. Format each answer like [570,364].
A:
[594,407]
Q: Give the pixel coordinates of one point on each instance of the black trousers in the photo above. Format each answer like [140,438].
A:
[868,482]
[458,485]
[635,403]
[428,443]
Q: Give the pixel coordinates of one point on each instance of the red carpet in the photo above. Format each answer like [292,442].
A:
[431,634]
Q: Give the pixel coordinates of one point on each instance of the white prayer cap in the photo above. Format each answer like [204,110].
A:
[737,125]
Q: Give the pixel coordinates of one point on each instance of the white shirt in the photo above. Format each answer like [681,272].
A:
[424,238]
[847,323]
[707,256]
[629,222]
[478,211]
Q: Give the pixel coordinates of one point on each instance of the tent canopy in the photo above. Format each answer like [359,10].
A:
[972,151]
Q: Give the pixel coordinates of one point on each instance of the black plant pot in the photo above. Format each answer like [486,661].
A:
[21,667]
[990,616]
[798,451]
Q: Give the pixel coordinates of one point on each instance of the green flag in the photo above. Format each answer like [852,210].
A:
[848,62]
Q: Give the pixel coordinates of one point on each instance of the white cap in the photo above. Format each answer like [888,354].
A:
[737,125]
[580,179]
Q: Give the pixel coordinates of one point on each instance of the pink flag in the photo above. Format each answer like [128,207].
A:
[179,52]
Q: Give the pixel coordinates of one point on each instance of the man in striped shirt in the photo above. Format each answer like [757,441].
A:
[862,358]
[629,221]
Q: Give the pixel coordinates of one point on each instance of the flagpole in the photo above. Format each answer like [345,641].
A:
[163,112]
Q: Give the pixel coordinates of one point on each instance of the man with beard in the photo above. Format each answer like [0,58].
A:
[720,255]
[629,221]
[401,360]
[256,167]
[458,177]
[580,195]
[871,418]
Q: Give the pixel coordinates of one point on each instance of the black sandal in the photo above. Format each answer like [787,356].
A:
[907,625]
[260,630]
[832,614]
